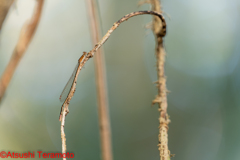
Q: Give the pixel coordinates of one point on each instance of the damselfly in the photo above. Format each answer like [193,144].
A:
[71,83]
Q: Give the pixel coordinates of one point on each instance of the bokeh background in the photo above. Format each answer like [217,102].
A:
[202,69]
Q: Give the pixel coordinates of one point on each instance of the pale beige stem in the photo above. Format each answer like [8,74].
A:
[26,35]
[100,72]
[64,146]
[4,7]
[161,98]
[86,56]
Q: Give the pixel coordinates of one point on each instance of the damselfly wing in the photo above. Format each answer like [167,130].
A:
[68,86]
[73,79]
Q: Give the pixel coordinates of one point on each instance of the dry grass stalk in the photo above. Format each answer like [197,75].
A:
[64,146]
[159,30]
[4,7]
[86,56]
[100,72]
[26,35]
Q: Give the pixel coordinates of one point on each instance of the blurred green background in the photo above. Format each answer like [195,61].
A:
[202,69]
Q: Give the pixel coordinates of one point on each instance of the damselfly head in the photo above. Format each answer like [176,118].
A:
[82,57]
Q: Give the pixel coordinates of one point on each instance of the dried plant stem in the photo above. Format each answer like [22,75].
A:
[26,35]
[64,146]
[4,7]
[100,72]
[116,24]
[161,98]
[86,56]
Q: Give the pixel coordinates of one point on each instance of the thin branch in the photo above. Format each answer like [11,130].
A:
[64,146]
[116,24]
[4,7]
[100,72]
[26,35]
[86,56]
[161,99]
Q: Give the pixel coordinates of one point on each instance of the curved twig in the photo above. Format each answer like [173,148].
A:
[26,35]
[116,24]
[4,8]
[86,56]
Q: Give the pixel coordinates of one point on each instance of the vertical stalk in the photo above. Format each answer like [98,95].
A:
[100,73]
[159,32]
[63,136]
